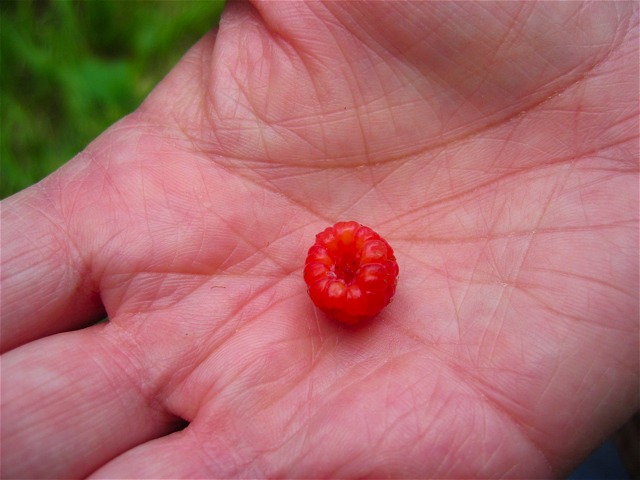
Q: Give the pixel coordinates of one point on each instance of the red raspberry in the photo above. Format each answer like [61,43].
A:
[351,272]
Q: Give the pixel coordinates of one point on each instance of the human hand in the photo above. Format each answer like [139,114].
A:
[493,145]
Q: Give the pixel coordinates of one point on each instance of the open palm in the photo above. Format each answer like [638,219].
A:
[493,145]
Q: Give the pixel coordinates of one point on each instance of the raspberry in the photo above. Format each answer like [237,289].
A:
[351,272]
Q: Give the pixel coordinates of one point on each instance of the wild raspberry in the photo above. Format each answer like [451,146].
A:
[351,272]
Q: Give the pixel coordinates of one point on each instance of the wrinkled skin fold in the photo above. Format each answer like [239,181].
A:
[494,145]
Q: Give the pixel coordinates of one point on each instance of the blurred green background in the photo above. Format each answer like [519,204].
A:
[69,69]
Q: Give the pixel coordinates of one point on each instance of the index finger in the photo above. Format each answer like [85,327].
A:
[46,284]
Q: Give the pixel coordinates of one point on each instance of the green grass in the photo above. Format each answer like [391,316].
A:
[69,69]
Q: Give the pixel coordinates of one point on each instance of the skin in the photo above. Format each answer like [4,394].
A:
[494,145]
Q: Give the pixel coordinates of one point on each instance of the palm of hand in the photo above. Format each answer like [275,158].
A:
[498,170]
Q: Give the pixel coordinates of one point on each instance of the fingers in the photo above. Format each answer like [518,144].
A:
[174,456]
[46,286]
[51,232]
[70,403]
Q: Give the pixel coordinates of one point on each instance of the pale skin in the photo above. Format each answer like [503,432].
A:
[494,145]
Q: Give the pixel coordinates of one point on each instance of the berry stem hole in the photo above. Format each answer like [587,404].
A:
[346,269]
